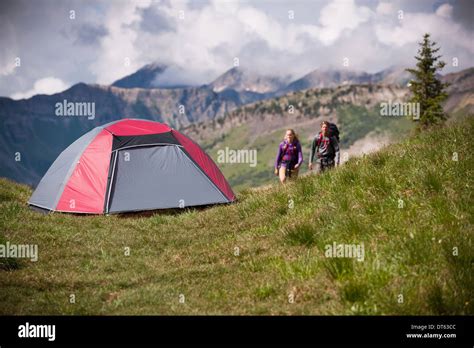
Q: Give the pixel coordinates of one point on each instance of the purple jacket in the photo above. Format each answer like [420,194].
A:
[291,153]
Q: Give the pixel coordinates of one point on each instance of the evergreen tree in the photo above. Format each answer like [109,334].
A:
[425,87]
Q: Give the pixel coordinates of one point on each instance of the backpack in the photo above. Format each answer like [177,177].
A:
[333,131]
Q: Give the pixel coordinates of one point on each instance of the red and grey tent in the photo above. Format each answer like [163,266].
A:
[131,165]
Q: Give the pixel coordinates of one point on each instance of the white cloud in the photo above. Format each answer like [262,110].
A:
[203,45]
[7,62]
[411,28]
[445,10]
[340,15]
[119,55]
[9,47]
[47,85]
[384,8]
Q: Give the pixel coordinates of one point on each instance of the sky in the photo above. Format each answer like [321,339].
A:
[46,46]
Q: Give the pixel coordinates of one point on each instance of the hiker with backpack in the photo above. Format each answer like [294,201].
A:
[325,147]
[289,157]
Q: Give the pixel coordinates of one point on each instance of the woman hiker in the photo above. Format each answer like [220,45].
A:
[289,157]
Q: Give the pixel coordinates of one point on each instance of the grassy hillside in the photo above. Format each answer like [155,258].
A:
[260,254]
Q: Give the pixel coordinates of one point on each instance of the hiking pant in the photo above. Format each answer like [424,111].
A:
[324,164]
[287,171]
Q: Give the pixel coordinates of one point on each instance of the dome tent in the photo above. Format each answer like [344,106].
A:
[131,165]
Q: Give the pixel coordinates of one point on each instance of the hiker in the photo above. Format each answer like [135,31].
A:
[326,148]
[289,157]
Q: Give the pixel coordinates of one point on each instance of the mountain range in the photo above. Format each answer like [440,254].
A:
[244,80]
[32,135]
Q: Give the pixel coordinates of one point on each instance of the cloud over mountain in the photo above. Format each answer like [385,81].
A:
[198,40]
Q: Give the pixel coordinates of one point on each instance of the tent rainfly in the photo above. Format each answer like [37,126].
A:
[131,165]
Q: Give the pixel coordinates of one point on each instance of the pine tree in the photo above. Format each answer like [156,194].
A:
[426,88]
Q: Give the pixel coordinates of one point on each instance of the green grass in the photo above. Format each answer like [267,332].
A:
[251,256]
